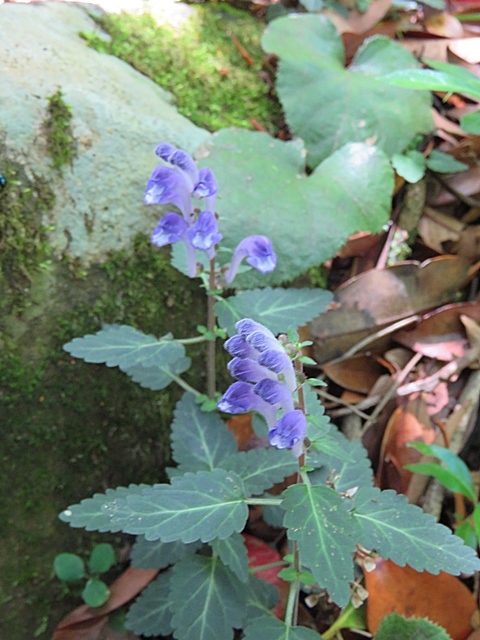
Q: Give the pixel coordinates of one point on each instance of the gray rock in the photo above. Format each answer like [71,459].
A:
[119,116]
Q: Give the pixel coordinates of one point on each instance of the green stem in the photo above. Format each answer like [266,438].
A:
[264,567]
[291,611]
[211,372]
[192,340]
[256,501]
[350,618]
[184,385]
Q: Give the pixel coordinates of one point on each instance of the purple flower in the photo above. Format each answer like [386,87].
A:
[275,393]
[289,430]
[203,234]
[280,363]
[249,370]
[239,398]
[237,346]
[182,161]
[247,326]
[171,228]
[259,253]
[166,185]
[206,187]
[263,342]
[165,151]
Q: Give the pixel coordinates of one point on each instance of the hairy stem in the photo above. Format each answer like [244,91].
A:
[211,380]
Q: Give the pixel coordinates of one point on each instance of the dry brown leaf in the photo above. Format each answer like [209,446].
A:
[435,228]
[468,245]
[444,25]
[465,182]
[87,630]
[363,22]
[443,599]
[358,373]
[380,297]
[440,334]
[447,125]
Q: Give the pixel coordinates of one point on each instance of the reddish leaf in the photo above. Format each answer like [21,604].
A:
[122,590]
[443,599]
[441,334]
[86,630]
[260,553]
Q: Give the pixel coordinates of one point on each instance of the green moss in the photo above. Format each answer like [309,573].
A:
[198,63]
[61,145]
[23,244]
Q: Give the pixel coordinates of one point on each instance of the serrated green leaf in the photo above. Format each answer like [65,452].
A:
[260,469]
[150,614]
[261,598]
[330,446]
[233,553]
[102,558]
[95,593]
[444,163]
[269,628]
[405,534]
[274,308]
[207,599]
[466,531]
[456,476]
[265,191]
[396,627]
[155,554]
[93,514]
[200,441]
[196,506]
[346,476]
[273,514]
[68,566]
[471,123]
[445,77]
[409,165]
[149,361]
[327,105]
[317,518]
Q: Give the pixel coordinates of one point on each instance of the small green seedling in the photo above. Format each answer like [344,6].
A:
[69,567]
[453,473]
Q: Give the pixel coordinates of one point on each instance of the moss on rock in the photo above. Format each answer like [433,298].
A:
[61,145]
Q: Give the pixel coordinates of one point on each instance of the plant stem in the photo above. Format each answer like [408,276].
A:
[211,381]
[195,340]
[260,501]
[184,385]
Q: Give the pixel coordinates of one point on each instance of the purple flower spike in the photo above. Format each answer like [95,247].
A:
[171,228]
[239,398]
[168,186]
[275,393]
[280,363]
[261,341]
[249,370]
[204,232]
[165,151]
[289,431]
[259,253]
[247,326]
[237,346]
[206,187]
[185,163]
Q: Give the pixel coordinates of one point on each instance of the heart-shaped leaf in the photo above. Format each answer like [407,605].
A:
[264,190]
[327,105]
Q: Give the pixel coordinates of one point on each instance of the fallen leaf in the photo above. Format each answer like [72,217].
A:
[380,297]
[444,25]
[466,183]
[362,22]
[435,228]
[446,124]
[86,630]
[443,599]
[358,373]
[440,334]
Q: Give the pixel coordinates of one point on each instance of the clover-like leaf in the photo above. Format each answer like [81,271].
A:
[150,614]
[402,532]
[398,627]
[200,441]
[260,469]
[208,600]
[196,506]
[317,518]
[265,190]
[327,105]
[276,309]
[233,553]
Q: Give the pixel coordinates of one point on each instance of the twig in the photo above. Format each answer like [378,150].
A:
[400,324]
[351,408]
[242,51]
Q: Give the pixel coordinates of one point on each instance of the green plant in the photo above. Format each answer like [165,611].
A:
[61,144]
[69,567]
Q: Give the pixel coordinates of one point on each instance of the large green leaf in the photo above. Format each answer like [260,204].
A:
[405,534]
[151,362]
[276,309]
[327,105]
[233,553]
[261,598]
[396,627]
[260,469]
[200,441]
[197,506]
[317,518]
[207,599]
[150,614]
[93,514]
[155,554]
[264,190]
[269,628]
